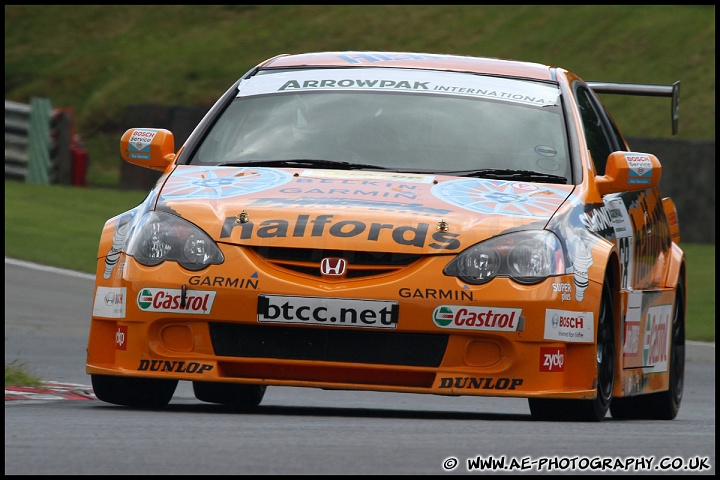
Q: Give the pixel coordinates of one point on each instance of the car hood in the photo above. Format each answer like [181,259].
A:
[353,210]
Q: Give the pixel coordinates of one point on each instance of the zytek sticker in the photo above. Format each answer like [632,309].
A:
[121,335]
[552,359]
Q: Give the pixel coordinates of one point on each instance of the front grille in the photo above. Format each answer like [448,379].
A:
[360,264]
[330,345]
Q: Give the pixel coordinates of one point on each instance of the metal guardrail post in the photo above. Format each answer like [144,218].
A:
[17,125]
[39,142]
[61,161]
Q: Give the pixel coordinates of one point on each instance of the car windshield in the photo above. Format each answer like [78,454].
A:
[394,119]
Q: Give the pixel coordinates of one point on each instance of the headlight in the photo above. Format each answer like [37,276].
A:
[526,257]
[160,237]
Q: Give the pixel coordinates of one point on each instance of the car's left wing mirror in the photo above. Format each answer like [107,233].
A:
[629,171]
[152,148]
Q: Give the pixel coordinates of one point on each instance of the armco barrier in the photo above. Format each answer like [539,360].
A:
[17,128]
[39,168]
[40,146]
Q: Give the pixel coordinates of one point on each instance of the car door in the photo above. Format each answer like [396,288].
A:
[641,232]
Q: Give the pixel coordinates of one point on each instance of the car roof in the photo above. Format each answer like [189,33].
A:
[427,61]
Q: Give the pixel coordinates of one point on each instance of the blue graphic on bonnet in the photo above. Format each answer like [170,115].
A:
[500,197]
[221,182]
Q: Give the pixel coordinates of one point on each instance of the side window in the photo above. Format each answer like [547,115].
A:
[618,138]
[599,144]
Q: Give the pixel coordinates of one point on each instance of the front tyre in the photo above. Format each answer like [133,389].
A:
[133,392]
[588,410]
[232,394]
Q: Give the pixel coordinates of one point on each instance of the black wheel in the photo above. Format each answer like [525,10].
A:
[661,405]
[588,410]
[133,392]
[232,394]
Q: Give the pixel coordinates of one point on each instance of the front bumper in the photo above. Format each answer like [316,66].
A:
[417,354]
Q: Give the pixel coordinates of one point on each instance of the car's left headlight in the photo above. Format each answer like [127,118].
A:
[526,257]
[160,237]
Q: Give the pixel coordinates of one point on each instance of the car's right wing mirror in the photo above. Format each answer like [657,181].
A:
[152,148]
[629,171]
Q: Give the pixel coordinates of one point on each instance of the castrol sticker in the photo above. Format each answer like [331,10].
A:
[568,326]
[173,300]
[552,359]
[492,319]
[657,338]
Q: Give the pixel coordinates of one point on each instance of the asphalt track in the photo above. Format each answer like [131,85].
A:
[76,379]
[62,429]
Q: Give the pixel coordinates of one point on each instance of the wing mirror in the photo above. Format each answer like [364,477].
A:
[152,148]
[629,171]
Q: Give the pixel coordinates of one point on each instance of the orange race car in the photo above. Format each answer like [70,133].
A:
[398,222]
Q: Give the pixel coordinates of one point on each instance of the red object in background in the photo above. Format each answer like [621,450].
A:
[62,130]
[79,164]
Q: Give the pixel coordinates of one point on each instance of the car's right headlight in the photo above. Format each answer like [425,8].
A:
[160,237]
[527,257]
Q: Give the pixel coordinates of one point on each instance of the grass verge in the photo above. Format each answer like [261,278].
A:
[18,374]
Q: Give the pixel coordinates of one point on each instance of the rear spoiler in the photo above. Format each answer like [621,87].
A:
[646,91]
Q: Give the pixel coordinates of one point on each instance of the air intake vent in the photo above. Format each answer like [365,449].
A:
[360,264]
[330,345]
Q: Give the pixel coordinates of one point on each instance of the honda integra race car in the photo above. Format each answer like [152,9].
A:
[398,222]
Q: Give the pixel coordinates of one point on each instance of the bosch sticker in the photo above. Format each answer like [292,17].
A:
[139,144]
[568,326]
[640,169]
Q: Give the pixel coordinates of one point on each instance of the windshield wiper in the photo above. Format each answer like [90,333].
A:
[302,162]
[510,174]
